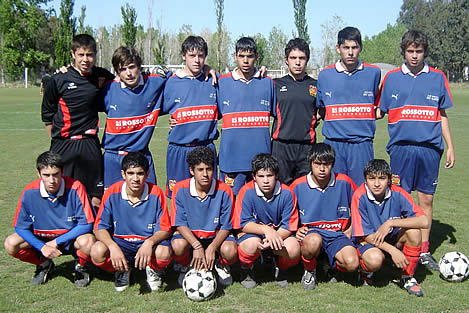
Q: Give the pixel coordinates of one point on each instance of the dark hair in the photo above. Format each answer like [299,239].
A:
[349,33]
[246,44]
[83,41]
[135,159]
[321,152]
[124,56]
[264,161]
[414,37]
[377,166]
[49,159]
[192,43]
[299,44]
[199,155]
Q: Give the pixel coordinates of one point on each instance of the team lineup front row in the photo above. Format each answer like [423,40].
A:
[322,212]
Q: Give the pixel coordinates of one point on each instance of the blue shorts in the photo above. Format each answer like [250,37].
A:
[415,167]
[235,180]
[331,245]
[177,168]
[351,158]
[67,248]
[130,249]
[241,236]
[391,238]
[112,167]
[205,242]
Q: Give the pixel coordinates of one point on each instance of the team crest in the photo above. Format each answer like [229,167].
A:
[241,234]
[171,184]
[229,181]
[313,90]
[396,179]
[101,81]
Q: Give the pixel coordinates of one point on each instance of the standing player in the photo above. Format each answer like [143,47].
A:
[70,112]
[386,219]
[347,95]
[245,101]
[416,97]
[267,216]
[295,122]
[133,226]
[324,199]
[54,217]
[191,100]
[201,212]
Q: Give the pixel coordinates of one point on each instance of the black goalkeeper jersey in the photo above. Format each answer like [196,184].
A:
[296,110]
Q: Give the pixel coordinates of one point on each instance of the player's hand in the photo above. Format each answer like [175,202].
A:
[144,254]
[208,71]
[50,252]
[172,122]
[62,69]
[399,258]
[118,259]
[273,238]
[450,159]
[210,253]
[263,71]
[301,233]
[264,244]
[198,259]
[53,244]
[381,233]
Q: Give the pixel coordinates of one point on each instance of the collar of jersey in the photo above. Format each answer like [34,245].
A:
[80,72]
[125,196]
[297,80]
[193,190]
[182,74]
[45,194]
[313,185]
[340,68]
[277,190]
[236,76]
[406,70]
[141,82]
[370,195]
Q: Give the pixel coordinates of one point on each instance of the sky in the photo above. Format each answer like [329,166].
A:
[244,17]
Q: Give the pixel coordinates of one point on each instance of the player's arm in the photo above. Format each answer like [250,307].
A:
[210,252]
[145,252]
[198,254]
[415,222]
[397,256]
[450,158]
[46,250]
[118,259]
[49,106]
[272,237]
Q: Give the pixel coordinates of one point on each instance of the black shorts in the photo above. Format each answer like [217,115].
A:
[292,159]
[83,161]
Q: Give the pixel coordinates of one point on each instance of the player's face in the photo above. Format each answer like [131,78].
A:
[135,178]
[195,60]
[321,172]
[296,62]
[414,56]
[246,60]
[203,174]
[349,52]
[51,178]
[266,180]
[130,75]
[83,59]
[377,183]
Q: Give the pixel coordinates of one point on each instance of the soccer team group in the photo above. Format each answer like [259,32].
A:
[281,196]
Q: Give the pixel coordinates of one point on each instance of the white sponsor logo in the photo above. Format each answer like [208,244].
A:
[247,119]
[114,107]
[177,100]
[212,95]
[342,209]
[351,110]
[151,226]
[265,102]
[432,98]
[328,93]
[284,88]
[195,112]
[421,112]
[395,96]
[72,86]
[368,93]
[227,102]
[135,121]
[70,218]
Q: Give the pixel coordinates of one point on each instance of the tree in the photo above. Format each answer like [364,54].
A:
[275,57]
[329,32]
[64,33]
[299,7]
[129,29]
[262,48]
[81,20]
[219,6]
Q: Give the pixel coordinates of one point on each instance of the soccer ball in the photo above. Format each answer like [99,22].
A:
[199,285]
[454,266]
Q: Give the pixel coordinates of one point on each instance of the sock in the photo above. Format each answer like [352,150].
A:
[29,255]
[425,247]
[158,264]
[183,259]
[412,254]
[284,263]
[363,266]
[225,261]
[245,259]
[106,265]
[341,269]
[83,259]
[309,264]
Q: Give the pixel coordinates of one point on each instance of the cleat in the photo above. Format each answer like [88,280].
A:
[412,286]
[308,281]
[428,261]
[223,273]
[122,280]
[332,276]
[182,272]
[365,277]
[247,278]
[42,271]
[154,278]
[81,276]
[281,277]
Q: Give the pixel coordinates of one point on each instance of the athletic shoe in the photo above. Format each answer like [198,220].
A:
[247,278]
[121,280]
[308,281]
[154,278]
[182,273]
[223,273]
[412,286]
[42,271]
[281,277]
[81,276]
[365,277]
[429,262]
[332,275]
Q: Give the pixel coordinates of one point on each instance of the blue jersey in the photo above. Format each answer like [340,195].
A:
[278,212]
[328,210]
[413,104]
[246,108]
[192,101]
[49,217]
[204,217]
[133,222]
[349,101]
[368,214]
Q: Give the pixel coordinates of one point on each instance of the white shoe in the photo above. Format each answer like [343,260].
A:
[154,278]
[223,273]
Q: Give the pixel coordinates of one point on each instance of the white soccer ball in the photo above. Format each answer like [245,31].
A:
[199,285]
[454,266]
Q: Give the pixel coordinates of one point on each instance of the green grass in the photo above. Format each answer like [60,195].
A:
[22,138]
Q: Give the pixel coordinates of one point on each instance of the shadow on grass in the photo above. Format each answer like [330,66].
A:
[441,232]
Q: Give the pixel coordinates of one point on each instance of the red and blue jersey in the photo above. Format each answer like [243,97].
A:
[133,222]
[131,113]
[246,107]
[325,210]
[49,217]
[413,104]
[349,101]
[368,214]
[204,217]
[192,101]
[278,212]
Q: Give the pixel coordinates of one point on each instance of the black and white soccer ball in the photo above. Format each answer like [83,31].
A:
[199,285]
[454,266]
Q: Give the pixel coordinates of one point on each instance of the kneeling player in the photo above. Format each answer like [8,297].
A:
[133,225]
[386,219]
[53,217]
[324,201]
[267,215]
[201,212]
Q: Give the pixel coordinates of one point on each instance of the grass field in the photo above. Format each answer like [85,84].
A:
[23,137]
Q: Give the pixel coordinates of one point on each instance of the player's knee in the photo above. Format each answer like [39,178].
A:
[12,244]
[373,260]
[228,251]
[292,248]
[413,237]
[179,246]
[85,242]
[312,242]
[99,252]
[350,262]
[250,246]
[163,252]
